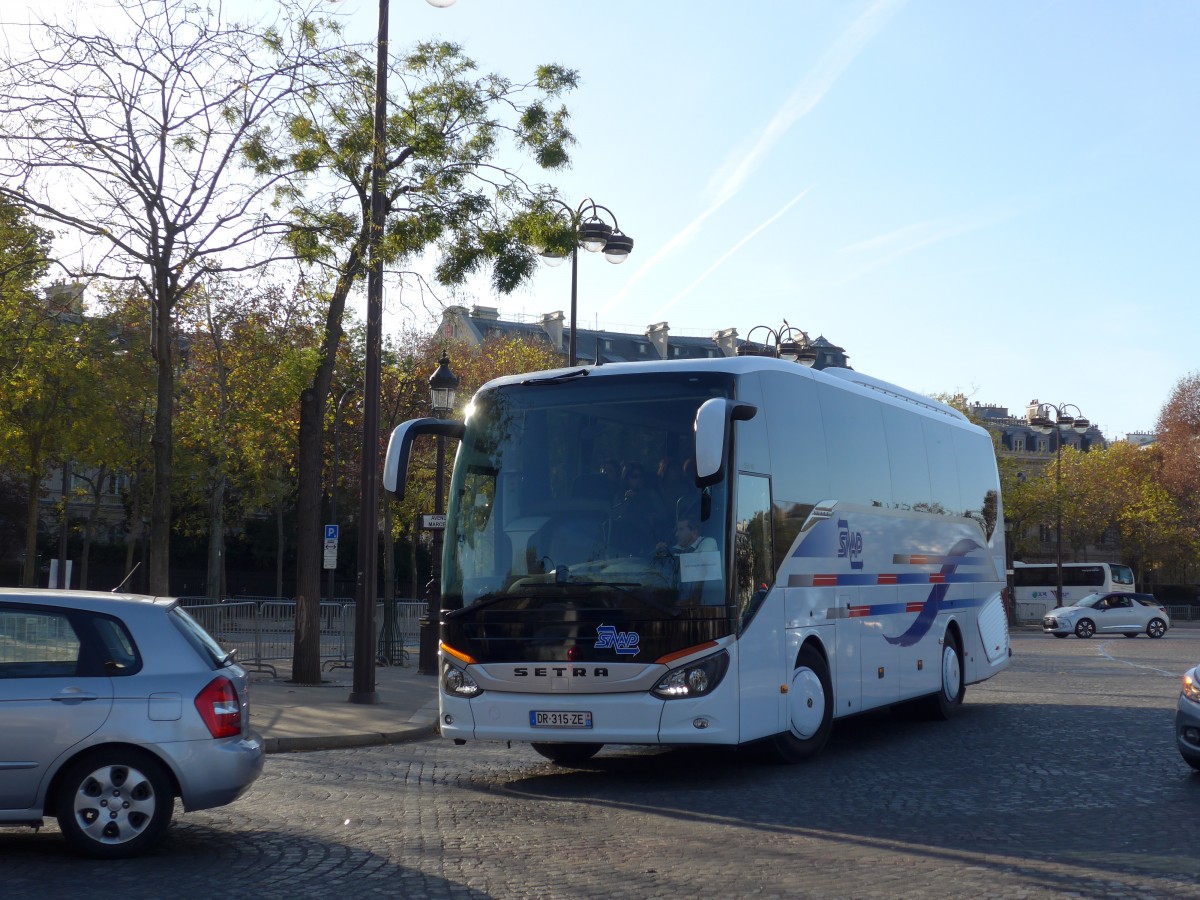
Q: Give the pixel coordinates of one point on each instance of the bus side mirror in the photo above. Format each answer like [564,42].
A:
[714,426]
[395,462]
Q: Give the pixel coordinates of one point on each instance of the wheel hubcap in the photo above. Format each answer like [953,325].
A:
[114,804]
[807,703]
[951,673]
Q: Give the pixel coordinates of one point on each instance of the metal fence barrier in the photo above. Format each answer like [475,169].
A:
[262,630]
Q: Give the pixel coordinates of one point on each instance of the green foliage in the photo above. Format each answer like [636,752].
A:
[443,184]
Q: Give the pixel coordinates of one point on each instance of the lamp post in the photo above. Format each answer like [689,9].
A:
[442,386]
[1037,416]
[592,233]
[363,690]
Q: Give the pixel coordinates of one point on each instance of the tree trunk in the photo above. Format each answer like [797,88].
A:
[389,552]
[159,565]
[216,540]
[306,654]
[279,547]
[89,527]
[29,573]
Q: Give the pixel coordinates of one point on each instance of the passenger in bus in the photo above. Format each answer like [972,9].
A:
[639,514]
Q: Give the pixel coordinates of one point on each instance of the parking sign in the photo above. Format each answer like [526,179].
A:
[331,532]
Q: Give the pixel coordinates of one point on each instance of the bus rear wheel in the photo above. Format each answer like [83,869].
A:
[567,754]
[810,709]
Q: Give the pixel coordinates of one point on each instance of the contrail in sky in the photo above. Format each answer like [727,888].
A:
[728,253]
[731,177]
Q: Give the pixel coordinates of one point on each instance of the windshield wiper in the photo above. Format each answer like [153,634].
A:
[556,379]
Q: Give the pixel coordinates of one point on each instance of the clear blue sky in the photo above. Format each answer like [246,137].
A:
[997,198]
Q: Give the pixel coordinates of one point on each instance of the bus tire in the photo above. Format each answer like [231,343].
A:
[947,701]
[566,754]
[810,709]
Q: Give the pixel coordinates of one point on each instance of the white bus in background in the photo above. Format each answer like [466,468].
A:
[850,555]
[1035,585]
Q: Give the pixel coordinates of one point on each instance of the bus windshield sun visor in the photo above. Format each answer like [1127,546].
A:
[395,463]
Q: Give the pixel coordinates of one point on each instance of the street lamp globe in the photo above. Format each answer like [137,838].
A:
[553,258]
[442,386]
[440,4]
[618,248]
[593,235]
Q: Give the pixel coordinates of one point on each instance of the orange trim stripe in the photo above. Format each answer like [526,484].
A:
[824,581]
[679,654]
[937,578]
[858,612]
[887,578]
[460,656]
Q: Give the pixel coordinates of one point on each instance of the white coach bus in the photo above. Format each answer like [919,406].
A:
[1035,585]
[802,546]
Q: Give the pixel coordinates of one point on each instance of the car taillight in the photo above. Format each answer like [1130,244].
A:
[220,708]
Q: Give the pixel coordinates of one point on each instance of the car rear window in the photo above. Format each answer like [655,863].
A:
[195,635]
[1145,601]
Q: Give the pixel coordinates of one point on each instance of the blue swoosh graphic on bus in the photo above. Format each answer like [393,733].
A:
[929,611]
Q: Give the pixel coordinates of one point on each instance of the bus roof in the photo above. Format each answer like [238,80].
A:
[740,365]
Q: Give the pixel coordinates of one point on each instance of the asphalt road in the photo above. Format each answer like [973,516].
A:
[1059,777]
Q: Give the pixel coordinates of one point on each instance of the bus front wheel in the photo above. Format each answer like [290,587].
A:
[945,702]
[810,709]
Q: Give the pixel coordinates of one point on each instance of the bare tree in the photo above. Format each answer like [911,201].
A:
[130,134]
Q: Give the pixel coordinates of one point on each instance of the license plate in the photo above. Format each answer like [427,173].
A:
[541,719]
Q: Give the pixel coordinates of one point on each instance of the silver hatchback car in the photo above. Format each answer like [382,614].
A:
[111,706]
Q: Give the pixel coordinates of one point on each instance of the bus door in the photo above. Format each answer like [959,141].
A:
[880,659]
[760,609]
[847,670]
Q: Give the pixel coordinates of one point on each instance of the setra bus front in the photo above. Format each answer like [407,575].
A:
[588,592]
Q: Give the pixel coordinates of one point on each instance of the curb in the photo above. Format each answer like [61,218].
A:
[422,724]
[310,743]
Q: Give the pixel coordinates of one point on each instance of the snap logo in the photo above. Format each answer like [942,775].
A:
[850,544]
[623,642]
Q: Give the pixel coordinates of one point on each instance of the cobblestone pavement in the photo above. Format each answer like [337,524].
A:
[1059,777]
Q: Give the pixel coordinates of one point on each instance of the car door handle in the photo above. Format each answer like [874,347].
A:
[74,695]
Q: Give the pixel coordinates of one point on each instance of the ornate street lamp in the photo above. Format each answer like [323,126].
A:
[1037,417]
[592,233]
[787,343]
[442,386]
[363,690]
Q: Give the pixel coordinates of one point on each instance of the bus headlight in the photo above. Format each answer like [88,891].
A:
[695,679]
[458,682]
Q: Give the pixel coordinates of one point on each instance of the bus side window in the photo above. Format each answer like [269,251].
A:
[753,561]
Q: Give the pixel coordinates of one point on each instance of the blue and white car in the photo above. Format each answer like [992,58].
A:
[1187,719]
[1115,612]
[111,706]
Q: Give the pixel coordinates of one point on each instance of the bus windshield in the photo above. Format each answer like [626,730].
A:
[577,493]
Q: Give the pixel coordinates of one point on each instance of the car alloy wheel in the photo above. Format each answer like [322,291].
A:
[114,803]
